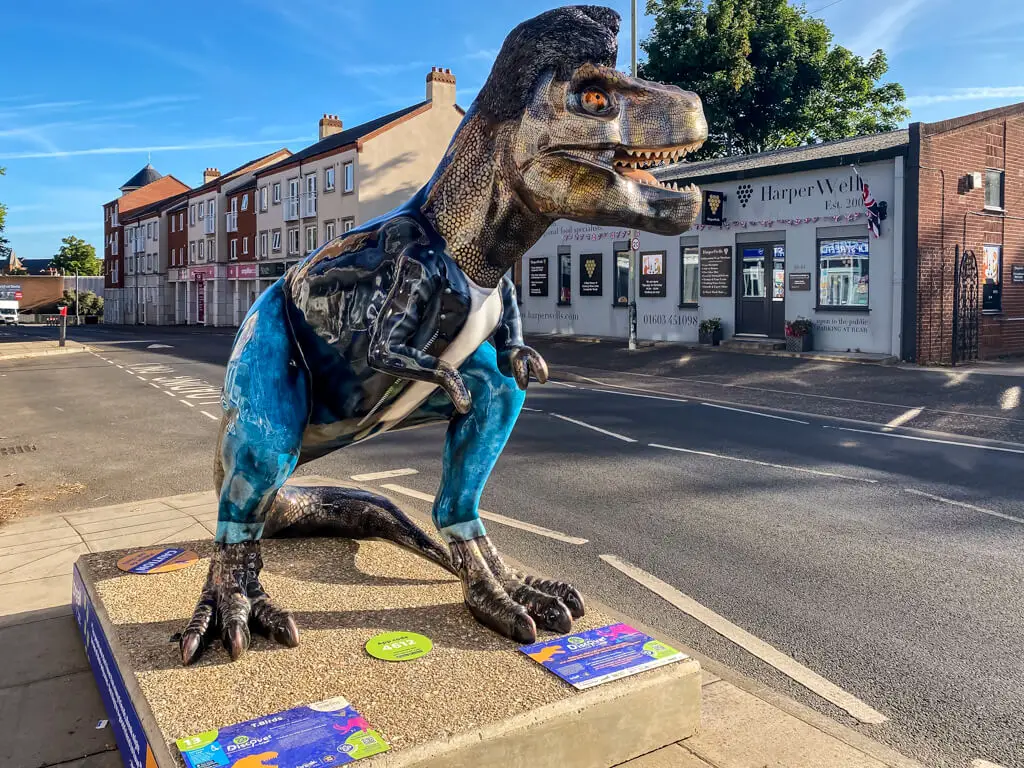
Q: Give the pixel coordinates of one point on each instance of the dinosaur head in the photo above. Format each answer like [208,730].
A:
[578,135]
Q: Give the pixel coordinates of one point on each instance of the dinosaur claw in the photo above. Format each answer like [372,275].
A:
[236,639]
[288,634]
[190,647]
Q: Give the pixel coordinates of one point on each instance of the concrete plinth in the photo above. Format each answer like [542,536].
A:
[474,700]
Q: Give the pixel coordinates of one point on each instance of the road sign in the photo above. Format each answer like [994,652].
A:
[63,311]
[17,295]
[636,243]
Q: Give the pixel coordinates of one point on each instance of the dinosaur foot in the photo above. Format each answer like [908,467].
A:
[509,602]
[232,602]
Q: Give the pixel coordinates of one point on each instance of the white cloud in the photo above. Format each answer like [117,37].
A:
[885,30]
[211,144]
[383,69]
[984,93]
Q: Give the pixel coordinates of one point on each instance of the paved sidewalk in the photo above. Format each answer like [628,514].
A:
[21,349]
[51,713]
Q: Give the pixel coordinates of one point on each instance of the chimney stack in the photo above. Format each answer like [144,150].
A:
[210,174]
[329,125]
[441,86]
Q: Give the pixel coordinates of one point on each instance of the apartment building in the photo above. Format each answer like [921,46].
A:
[347,177]
[204,282]
[138,194]
[242,271]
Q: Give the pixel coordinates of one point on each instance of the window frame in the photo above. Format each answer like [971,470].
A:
[563,276]
[330,230]
[347,224]
[245,201]
[1001,207]
[311,229]
[201,213]
[998,309]
[615,278]
[263,197]
[683,303]
[297,240]
[329,174]
[192,215]
[233,253]
[275,237]
[818,306]
[276,195]
[264,243]
[348,177]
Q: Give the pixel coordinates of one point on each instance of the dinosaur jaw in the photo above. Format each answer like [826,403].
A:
[630,162]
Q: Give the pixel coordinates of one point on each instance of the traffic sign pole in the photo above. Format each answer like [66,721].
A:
[63,325]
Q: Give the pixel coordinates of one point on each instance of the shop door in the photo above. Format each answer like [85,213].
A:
[761,289]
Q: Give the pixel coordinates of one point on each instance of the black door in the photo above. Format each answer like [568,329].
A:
[761,289]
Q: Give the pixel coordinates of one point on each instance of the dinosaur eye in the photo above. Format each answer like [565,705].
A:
[595,101]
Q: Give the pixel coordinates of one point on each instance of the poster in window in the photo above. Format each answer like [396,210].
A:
[716,271]
[714,205]
[591,278]
[991,297]
[652,275]
[539,276]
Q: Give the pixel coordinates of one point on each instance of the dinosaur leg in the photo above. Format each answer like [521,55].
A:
[265,409]
[348,513]
[499,597]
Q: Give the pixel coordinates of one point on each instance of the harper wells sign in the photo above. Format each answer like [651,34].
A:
[839,192]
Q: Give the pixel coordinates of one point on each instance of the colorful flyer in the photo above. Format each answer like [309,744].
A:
[160,560]
[398,646]
[601,655]
[326,733]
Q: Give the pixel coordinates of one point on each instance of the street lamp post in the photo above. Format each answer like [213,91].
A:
[632,232]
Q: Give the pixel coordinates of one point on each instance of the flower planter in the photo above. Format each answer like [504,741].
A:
[714,338]
[799,343]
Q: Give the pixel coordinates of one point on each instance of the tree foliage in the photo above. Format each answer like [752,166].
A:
[768,74]
[89,303]
[5,245]
[76,255]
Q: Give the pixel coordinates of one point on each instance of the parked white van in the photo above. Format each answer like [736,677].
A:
[8,312]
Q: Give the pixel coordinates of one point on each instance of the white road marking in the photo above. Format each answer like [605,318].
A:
[755,413]
[634,394]
[495,517]
[534,410]
[762,463]
[186,402]
[209,415]
[930,440]
[616,435]
[1010,399]
[754,645]
[160,346]
[385,474]
[903,418]
[964,504]
[563,384]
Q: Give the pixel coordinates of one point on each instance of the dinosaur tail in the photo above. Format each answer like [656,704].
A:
[350,513]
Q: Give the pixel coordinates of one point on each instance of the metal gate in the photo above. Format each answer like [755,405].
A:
[966,312]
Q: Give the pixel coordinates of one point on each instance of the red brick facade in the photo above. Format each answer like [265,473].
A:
[952,214]
[177,237]
[113,266]
[244,202]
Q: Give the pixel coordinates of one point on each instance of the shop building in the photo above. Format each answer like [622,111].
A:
[783,235]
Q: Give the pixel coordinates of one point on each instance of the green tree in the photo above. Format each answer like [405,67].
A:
[76,255]
[768,74]
[5,245]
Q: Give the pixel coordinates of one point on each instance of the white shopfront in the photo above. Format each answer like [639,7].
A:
[790,246]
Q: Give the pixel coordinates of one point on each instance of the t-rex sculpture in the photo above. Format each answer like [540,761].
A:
[412,319]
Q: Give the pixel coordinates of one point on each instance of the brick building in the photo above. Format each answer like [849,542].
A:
[967,177]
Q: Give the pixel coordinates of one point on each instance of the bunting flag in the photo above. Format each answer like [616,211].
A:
[873,210]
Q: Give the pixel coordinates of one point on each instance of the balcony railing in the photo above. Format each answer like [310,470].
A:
[231,217]
[209,225]
[291,208]
[308,204]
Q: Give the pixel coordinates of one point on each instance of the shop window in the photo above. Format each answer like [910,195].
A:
[621,297]
[994,181]
[689,276]
[843,273]
[992,273]
[564,276]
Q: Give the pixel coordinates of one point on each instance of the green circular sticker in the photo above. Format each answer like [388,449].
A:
[398,646]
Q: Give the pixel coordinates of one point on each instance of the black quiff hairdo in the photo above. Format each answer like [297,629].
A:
[561,40]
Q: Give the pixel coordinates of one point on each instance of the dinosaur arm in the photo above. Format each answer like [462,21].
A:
[391,351]
[514,357]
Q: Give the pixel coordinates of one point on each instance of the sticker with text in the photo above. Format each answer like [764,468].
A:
[160,560]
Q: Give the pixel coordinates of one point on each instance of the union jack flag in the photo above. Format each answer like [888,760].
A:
[874,212]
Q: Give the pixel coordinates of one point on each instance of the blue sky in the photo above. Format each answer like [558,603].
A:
[90,86]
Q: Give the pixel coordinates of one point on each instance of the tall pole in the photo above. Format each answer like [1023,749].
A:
[632,232]
[78,319]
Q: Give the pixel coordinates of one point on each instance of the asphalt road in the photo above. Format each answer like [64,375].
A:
[886,560]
